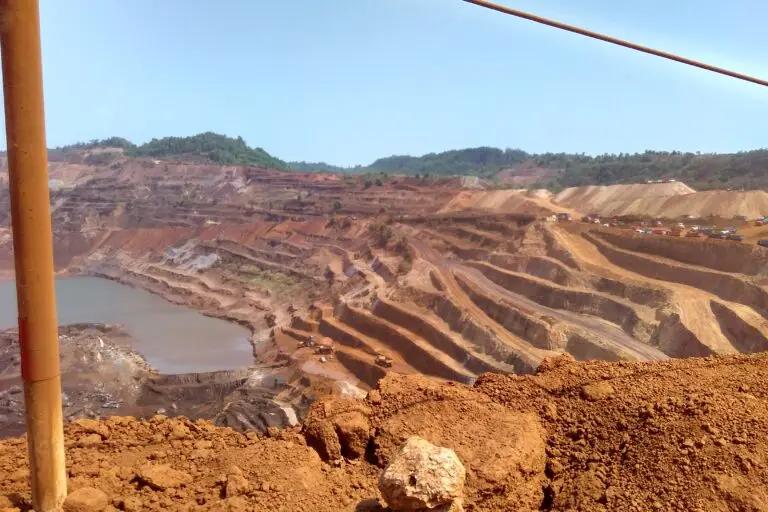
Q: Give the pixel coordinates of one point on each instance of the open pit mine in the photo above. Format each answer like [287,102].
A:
[515,327]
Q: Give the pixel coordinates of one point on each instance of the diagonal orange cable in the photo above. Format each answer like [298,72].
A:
[616,41]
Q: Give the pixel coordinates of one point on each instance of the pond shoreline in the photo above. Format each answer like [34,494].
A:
[163,329]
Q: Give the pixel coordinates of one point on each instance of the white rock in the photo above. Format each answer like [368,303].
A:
[423,476]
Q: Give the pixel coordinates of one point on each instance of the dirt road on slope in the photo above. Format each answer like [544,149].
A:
[607,331]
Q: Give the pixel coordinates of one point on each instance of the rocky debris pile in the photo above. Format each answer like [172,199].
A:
[423,476]
[12,398]
[88,353]
[104,398]
[673,435]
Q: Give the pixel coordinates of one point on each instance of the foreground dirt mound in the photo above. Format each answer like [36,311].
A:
[673,435]
[502,450]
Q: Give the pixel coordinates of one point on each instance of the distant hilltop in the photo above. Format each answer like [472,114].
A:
[208,146]
[509,168]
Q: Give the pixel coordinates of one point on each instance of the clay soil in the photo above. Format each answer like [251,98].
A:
[676,435]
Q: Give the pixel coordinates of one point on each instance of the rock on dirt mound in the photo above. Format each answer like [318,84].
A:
[86,499]
[510,456]
[423,476]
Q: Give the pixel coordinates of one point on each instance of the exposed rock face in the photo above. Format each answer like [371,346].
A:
[162,477]
[423,476]
[86,499]
[338,427]
[597,391]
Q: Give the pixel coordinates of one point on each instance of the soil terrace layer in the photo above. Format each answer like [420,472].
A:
[418,276]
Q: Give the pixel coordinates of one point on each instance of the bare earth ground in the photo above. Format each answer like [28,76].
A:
[675,435]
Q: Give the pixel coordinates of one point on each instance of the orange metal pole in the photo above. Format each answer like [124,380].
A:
[33,249]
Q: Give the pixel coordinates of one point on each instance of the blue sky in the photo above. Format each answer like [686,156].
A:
[347,81]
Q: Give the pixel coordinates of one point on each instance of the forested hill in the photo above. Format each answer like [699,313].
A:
[318,167]
[484,161]
[509,167]
[207,146]
[747,170]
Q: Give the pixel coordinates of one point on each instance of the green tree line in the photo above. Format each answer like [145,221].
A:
[748,170]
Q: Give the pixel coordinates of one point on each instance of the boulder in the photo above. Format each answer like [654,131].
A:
[597,391]
[337,427]
[236,483]
[162,477]
[86,499]
[423,476]
[354,431]
[321,435]
[90,426]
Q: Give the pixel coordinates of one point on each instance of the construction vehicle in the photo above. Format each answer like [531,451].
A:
[308,342]
[324,346]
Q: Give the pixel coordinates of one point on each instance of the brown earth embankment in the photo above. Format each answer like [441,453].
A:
[726,286]
[579,301]
[440,339]
[418,355]
[723,255]
[578,437]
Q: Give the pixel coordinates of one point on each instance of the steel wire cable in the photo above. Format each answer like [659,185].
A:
[617,41]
